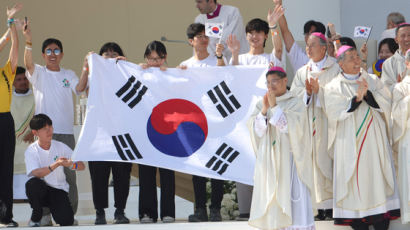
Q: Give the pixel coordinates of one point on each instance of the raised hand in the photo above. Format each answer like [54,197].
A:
[219,48]
[271,98]
[314,82]
[361,90]
[16,8]
[364,51]
[233,44]
[265,104]
[308,87]
[273,16]
[27,31]
[277,2]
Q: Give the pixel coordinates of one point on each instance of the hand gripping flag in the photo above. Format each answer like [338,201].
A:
[192,121]
[214,29]
[362,32]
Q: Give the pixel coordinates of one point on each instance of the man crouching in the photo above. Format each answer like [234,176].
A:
[47,186]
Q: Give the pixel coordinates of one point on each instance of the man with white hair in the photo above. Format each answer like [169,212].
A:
[308,83]
[358,110]
[401,137]
[394,19]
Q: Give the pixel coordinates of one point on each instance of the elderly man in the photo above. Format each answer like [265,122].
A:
[308,83]
[394,67]
[394,19]
[401,137]
[283,175]
[212,12]
[357,105]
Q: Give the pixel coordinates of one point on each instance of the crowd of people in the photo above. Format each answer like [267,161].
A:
[333,141]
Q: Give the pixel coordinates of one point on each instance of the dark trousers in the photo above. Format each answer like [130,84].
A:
[217,188]
[100,174]
[358,224]
[148,202]
[41,195]
[7,146]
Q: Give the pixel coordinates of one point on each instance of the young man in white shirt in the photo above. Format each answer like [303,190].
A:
[47,186]
[53,87]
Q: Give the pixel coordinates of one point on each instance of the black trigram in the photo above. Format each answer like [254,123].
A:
[222,159]
[225,97]
[132,94]
[124,143]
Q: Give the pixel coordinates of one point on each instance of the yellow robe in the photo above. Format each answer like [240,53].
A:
[271,200]
[364,177]
[401,137]
[322,155]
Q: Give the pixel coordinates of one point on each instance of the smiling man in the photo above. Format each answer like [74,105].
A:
[358,109]
[52,88]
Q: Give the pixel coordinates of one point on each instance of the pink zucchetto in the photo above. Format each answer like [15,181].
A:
[319,35]
[342,49]
[277,68]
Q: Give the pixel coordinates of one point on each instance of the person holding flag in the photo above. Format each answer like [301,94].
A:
[283,178]
[358,108]
[394,67]
[231,20]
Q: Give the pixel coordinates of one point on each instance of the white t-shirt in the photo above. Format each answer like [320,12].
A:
[53,96]
[259,59]
[389,33]
[36,157]
[297,57]
[233,24]
[211,60]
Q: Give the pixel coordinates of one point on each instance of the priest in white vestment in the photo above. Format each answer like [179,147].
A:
[401,138]
[394,67]
[308,84]
[22,109]
[283,176]
[358,107]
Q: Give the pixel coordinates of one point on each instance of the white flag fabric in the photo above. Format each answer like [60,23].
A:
[214,29]
[192,121]
[362,31]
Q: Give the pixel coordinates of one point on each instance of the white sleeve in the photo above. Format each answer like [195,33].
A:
[74,81]
[275,60]
[260,125]
[297,56]
[36,73]
[318,103]
[279,119]
[66,151]
[306,99]
[31,160]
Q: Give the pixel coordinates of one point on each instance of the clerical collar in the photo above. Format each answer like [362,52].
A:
[351,76]
[22,94]
[215,13]
[318,66]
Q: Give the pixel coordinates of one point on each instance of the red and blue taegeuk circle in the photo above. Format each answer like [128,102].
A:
[177,127]
[215,30]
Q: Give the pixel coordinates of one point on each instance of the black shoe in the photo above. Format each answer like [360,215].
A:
[215,215]
[329,214]
[321,215]
[120,218]
[11,224]
[200,215]
[100,217]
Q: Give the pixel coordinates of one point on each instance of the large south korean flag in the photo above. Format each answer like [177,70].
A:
[193,121]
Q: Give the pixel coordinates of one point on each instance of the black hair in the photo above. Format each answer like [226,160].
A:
[156,46]
[257,25]
[391,44]
[319,27]
[208,1]
[40,121]
[279,73]
[111,46]
[401,26]
[194,29]
[50,41]
[346,41]
[20,70]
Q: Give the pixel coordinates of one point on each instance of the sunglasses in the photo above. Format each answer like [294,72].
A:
[55,51]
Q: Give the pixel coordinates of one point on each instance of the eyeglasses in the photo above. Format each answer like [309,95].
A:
[201,36]
[55,51]
[156,59]
[273,81]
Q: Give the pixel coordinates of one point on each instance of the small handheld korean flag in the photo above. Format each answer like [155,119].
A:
[214,29]
[362,32]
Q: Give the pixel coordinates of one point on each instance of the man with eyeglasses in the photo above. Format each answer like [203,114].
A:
[52,88]
[308,84]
